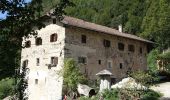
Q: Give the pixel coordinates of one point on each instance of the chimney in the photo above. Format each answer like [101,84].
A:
[120,28]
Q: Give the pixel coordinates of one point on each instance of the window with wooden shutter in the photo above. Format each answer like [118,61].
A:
[38,41]
[131,48]
[140,50]
[121,46]
[53,37]
[83,38]
[106,43]
[28,44]
[25,63]
[82,60]
[38,62]
[54,61]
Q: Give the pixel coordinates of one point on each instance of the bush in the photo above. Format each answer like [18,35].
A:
[151,95]
[6,87]
[111,94]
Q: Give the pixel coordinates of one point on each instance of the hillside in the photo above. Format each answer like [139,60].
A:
[149,19]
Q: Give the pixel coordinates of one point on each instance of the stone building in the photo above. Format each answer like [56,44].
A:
[93,46]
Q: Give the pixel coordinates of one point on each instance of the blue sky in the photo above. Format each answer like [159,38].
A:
[3,16]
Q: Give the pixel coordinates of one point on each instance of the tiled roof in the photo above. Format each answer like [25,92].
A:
[99,28]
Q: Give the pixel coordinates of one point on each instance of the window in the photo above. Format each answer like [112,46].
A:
[54,21]
[106,43]
[25,63]
[83,38]
[36,81]
[121,46]
[38,41]
[109,64]
[28,44]
[54,61]
[131,48]
[140,50]
[38,62]
[120,65]
[99,62]
[53,37]
[82,60]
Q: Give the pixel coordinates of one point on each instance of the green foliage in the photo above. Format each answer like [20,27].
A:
[145,78]
[151,95]
[152,60]
[147,18]
[110,94]
[72,75]
[164,56]
[124,94]
[6,87]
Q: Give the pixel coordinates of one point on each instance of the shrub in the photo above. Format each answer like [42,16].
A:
[6,87]
[151,95]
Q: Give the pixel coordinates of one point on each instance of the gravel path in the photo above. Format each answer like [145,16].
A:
[163,88]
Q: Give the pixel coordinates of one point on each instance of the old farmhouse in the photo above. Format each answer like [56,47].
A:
[93,46]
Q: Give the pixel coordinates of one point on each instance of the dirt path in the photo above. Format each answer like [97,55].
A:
[163,88]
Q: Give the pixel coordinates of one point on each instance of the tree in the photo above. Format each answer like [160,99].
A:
[18,25]
[72,76]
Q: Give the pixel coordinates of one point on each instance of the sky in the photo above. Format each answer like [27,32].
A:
[3,16]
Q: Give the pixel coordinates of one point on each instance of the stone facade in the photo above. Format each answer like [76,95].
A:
[44,83]
[87,47]
[95,52]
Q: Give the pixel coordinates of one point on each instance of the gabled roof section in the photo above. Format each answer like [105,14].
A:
[95,27]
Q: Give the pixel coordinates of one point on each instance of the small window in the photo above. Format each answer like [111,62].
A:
[99,62]
[38,41]
[109,64]
[54,61]
[53,38]
[131,48]
[36,81]
[106,43]
[54,20]
[140,50]
[120,65]
[38,62]
[121,46]
[28,44]
[83,38]
[25,63]
[82,60]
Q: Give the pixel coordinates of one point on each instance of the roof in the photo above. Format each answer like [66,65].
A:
[104,72]
[92,26]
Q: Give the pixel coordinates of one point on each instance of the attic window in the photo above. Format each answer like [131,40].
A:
[121,46]
[53,37]
[106,43]
[28,44]
[131,48]
[83,38]
[38,41]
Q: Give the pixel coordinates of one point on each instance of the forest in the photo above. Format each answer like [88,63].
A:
[149,19]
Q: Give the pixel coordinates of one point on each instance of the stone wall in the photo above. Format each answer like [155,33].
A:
[49,85]
[94,51]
